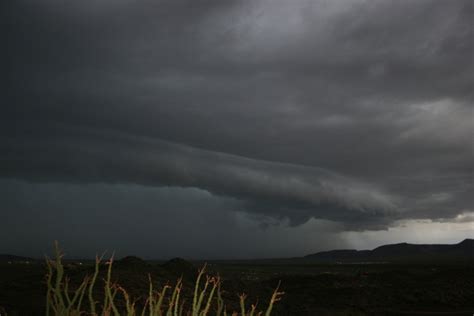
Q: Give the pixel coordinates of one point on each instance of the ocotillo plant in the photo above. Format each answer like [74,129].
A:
[61,300]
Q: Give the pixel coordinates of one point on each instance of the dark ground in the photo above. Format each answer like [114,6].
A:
[333,289]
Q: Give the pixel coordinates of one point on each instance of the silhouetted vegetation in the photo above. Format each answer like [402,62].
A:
[62,300]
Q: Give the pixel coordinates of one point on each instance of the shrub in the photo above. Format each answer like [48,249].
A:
[61,300]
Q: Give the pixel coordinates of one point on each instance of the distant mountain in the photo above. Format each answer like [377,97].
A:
[12,258]
[180,266]
[129,262]
[403,252]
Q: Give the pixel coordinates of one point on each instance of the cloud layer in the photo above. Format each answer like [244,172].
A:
[358,112]
[276,189]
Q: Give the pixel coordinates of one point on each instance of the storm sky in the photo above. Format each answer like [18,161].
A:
[236,128]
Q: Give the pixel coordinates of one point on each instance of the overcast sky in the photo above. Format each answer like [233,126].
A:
[236,128]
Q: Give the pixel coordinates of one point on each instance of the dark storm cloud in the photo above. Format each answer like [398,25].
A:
[156,223]
[358,112]
[275,189]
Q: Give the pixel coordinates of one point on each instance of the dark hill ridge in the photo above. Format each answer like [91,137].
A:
[403,252]
[180,266]
[130,262]
[12,258]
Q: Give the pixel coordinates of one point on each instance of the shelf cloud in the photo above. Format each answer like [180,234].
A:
[354,112]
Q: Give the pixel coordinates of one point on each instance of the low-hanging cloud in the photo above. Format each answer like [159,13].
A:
[358,112]
[280,190]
